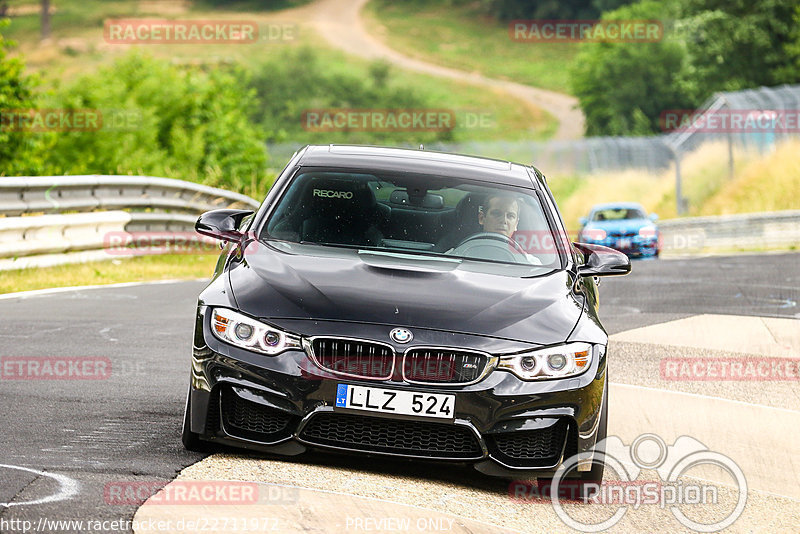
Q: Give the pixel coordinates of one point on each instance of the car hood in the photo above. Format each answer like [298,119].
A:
[625,225]
[272,284]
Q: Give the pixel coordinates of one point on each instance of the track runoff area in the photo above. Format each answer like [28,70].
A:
[703,434]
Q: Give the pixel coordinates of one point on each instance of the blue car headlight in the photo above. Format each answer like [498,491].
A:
[648,232]
[593,234]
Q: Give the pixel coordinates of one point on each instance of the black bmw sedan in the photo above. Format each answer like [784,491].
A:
[407,303]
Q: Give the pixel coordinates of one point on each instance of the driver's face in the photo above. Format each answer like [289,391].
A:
[500,216]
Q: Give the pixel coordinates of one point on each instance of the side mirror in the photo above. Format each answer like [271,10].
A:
[222,224]
[602,261]
[653,217]
[583,221]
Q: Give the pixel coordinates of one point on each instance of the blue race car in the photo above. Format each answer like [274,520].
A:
[624,226]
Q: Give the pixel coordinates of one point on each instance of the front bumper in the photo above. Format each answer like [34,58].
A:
[286,405]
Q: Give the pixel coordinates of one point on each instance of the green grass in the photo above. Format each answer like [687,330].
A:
[459,37]
[563,187]
[508,119]
[78,46]
[69,18]
[768,182]
[138,269]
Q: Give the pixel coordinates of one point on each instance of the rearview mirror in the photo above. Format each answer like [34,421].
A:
[602,261]
[222,224]
[653,217]
[583,221]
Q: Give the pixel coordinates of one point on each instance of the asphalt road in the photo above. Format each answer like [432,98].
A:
[125,428]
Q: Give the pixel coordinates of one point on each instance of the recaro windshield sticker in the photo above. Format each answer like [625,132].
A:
[330,193]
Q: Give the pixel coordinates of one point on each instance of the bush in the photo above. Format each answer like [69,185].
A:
[297,81]
[505,10]
[20,151]
[187,123]
[709,46]
[624,87]
[739,44]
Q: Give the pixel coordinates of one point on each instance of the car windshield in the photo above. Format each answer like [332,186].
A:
[415,215]
[618,214]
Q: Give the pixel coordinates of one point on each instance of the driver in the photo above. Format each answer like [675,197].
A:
[500,215]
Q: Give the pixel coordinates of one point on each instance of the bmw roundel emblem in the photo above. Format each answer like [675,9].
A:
[401,335]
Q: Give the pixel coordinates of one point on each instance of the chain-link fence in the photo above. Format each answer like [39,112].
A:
[748,119]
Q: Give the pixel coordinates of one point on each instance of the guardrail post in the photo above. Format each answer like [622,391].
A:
[680,202]
[730,156]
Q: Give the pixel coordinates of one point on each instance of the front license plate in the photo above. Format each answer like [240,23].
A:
[395,401]
[624,243]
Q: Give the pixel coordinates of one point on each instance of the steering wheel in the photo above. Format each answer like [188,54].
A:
[491,246]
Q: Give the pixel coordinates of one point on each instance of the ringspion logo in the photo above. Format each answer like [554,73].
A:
[677,487]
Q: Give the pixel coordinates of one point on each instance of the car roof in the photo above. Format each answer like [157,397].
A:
[372,158]
[618,205]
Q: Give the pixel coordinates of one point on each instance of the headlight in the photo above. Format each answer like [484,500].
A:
[648,232]
[594,234]
[555,362]
[242,331]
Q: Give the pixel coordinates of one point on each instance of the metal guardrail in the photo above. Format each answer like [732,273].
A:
[769,230]
[52,239]
[58,194]
[48,234]
[50,220]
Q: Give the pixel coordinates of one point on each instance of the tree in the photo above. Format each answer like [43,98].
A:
[19,149]
[163,120]
[624,87]
[738,44]
[792,68]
